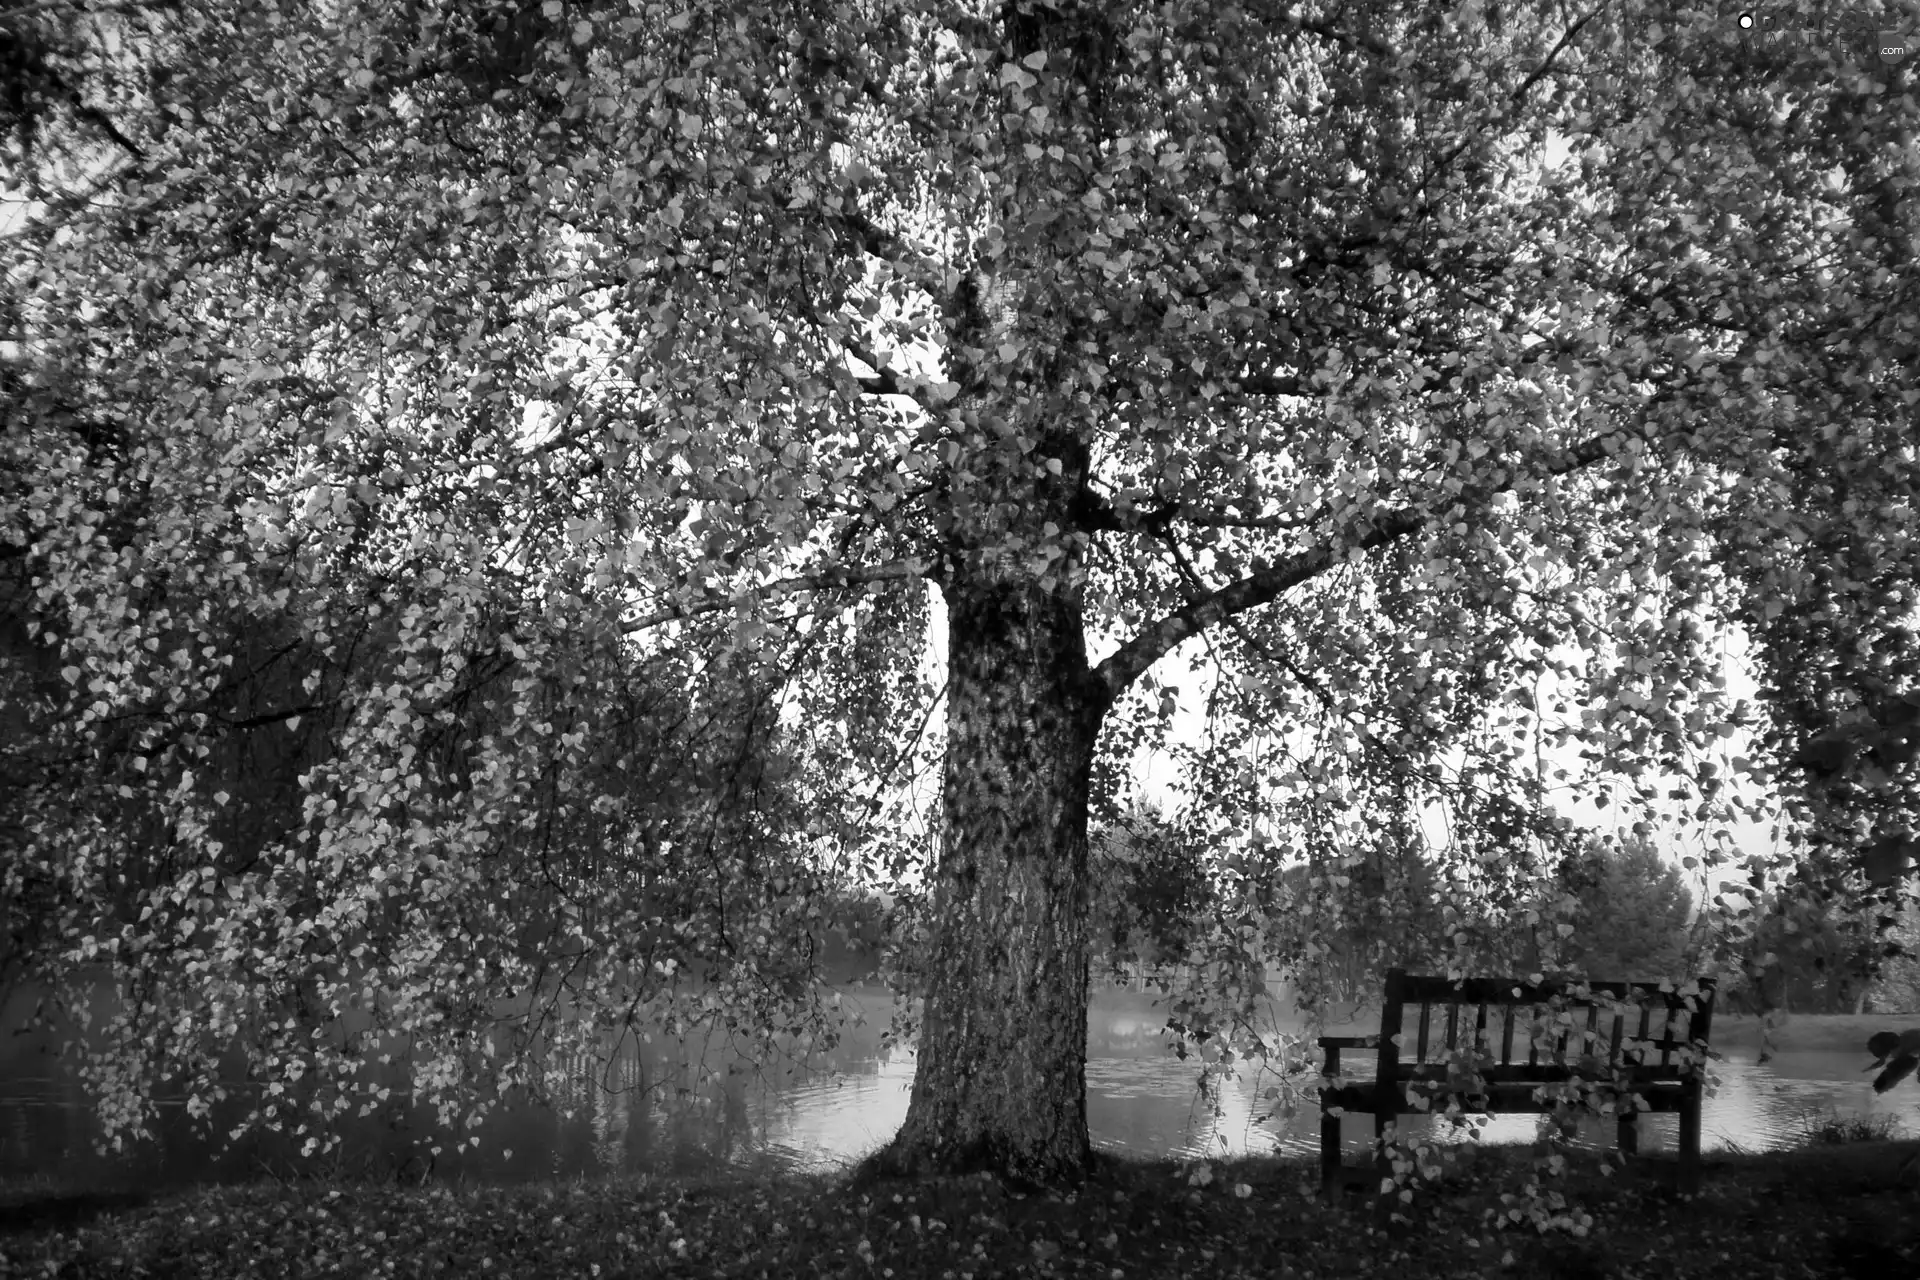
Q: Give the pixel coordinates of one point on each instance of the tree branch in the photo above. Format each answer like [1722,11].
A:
[820,580]
[1133,658]
[1327,31]
[275,717]
[1520,90]
[884,381]
[1094,512]
[31,64]
[1267,384]
[111,6]
[1546,63]
[108,127]
[924,267]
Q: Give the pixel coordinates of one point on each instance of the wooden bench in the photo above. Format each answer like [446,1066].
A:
[1606,1032]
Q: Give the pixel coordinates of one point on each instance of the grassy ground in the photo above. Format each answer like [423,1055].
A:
[1837,1207]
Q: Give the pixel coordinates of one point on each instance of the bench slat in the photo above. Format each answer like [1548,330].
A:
[1504,991]
[1545,1073]
[1500,1100]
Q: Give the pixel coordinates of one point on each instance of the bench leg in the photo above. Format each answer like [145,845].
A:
[1690,1143]
[1628,1129]
[1329,1155]
[1381,1175]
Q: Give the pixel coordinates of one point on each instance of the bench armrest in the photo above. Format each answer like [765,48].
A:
[1332,1045]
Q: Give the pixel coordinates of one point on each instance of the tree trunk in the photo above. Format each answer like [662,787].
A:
[1001,1077]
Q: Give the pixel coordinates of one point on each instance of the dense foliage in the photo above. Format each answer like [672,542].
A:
[426,390]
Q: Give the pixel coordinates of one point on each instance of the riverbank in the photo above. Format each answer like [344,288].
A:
[1826,1210]
[1808,1032]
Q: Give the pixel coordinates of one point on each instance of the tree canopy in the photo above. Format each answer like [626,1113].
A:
[1454,377]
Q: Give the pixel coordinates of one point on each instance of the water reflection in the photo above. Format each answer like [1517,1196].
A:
[699,1110]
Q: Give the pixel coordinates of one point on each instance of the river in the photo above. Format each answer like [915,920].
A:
[705,1111]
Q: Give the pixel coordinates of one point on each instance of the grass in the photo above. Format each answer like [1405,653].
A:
[1825,1209]
[1832,1129]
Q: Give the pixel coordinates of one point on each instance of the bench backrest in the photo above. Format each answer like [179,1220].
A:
[1542,1030]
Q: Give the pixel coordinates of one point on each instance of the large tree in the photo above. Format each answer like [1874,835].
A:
[1422,364]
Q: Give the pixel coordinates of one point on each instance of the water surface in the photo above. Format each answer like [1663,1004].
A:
[702,1110]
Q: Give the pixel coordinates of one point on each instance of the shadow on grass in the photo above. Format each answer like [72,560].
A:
[27,1208]
[1827,1209]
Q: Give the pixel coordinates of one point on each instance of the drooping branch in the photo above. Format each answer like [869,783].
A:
[886,775]
[820,580]
[1158,638]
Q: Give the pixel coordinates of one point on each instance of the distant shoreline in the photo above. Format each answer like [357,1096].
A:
[1807,1032]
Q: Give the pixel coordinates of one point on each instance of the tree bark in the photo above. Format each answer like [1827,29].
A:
[1001,1078]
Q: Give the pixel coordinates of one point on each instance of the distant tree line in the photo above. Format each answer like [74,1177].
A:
[1159,900]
